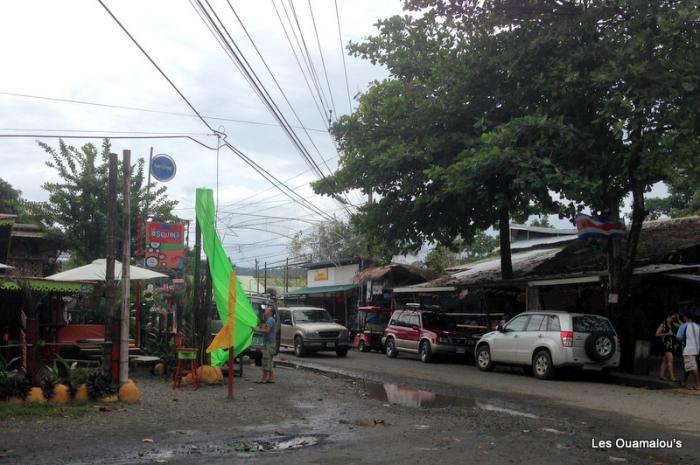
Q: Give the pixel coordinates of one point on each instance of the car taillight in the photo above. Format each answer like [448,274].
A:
[567,338]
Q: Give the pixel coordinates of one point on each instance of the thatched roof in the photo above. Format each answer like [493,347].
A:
[398,274]
[665,241]
[675,241]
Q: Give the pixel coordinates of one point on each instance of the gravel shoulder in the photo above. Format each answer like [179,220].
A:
[337,420]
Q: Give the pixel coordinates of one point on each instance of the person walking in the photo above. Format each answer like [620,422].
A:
[689,335]
[269,328]
[667,332]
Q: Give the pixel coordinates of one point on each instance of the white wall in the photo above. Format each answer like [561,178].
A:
[335,275]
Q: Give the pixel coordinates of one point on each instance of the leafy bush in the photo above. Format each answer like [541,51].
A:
[17,385]
[100,385]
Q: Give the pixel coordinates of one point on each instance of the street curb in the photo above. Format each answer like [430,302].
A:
[326,370]
[619,379]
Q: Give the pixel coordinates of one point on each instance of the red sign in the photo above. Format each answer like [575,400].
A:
[165,246]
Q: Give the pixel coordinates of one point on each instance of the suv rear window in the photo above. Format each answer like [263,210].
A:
[591,323]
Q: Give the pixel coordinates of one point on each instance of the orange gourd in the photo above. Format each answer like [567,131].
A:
[81,395]
[36,396]
[129,393]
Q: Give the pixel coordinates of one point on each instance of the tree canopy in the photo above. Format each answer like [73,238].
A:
[329,241]
[76,212]
[493,106]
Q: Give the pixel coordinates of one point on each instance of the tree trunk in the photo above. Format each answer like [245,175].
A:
[504,238]
[110,283]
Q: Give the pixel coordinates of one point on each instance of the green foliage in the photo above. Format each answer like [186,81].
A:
[17,385]
[330,241]
[160,344]
[76,212]
[11,412]
[100,385]
[441,257]
[492,106]
[541,222]
[9,198]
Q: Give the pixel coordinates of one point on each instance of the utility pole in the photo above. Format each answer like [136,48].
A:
[265,282]
[126,281]
[286,279]
[110,284]
[197,291]
[257,273]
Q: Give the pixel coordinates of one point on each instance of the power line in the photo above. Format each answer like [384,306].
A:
[264,173]
[146,110]
[111,132]
[323,61]
[255,82]
[291,107]
[304,52]
[301,68]
[96,136]
[342,54]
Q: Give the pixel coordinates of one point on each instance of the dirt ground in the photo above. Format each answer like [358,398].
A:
[316,419]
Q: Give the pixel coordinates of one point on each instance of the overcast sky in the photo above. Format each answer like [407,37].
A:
[74,50]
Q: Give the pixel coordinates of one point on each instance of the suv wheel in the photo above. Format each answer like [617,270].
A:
[426,352]
[299,350]
[483,358]
[600,346]
[390,348]
[542,366]
[341,352]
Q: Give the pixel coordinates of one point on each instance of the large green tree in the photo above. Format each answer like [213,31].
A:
[76,211]
[330,241]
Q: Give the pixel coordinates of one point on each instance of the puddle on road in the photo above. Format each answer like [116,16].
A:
[411,397]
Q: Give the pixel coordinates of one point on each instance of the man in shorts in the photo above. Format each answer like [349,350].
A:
[689,334]
[269,328]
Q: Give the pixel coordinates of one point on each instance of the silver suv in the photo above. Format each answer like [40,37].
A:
[311,329]
[547,340]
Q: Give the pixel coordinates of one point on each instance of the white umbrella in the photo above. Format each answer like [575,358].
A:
[5,267]
[97,270]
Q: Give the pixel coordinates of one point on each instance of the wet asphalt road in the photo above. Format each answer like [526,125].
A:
[338,420]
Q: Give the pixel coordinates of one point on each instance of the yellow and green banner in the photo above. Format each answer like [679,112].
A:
[220,267]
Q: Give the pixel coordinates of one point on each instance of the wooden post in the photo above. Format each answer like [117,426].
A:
[196,294]
[140,256]
[265,281]
[126,281]
[110,283]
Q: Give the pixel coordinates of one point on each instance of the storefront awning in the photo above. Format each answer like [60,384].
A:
[42,285]
[322,289]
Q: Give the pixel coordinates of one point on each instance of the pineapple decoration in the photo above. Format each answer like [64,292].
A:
[129,393]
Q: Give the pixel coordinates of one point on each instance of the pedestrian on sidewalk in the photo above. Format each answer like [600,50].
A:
[269,328]
[667,332]
[689,335]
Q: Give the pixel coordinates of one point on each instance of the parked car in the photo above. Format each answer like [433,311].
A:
[259,303]
[371,322]
[425,333]
[549,340]
[312,329]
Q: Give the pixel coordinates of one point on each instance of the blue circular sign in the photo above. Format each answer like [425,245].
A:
[163,167]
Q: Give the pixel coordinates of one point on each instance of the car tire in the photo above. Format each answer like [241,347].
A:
[483,358]
[425,352]
[341,353]
[600,346]
[390,348]
[362,347]
[299,350]
[542,366]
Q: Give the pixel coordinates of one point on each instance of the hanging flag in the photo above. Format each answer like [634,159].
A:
[220,267]
[591,227]
[224,338]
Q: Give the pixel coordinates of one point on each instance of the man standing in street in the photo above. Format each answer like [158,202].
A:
[689,335]
[269,328]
